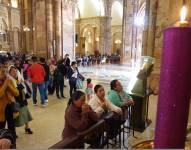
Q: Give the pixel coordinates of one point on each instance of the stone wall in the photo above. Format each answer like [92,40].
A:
[9,27]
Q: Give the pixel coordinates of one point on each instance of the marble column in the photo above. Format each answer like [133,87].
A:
[105,30]
[58,29]
[10,28]
[127,29]
[152,28]
[49,20]
[34,25]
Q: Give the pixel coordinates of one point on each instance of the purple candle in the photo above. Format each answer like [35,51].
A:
[175,89]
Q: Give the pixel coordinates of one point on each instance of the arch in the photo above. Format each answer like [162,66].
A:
[86,26]
[90,8]
[117,13]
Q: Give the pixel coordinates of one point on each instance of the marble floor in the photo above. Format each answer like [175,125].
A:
[48,122]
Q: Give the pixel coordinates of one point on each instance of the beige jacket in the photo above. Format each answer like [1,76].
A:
[95,104]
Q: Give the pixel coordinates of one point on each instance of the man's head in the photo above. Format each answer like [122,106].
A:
[34,59]
[74,64]
[116,85]
[67,55]
[42,60]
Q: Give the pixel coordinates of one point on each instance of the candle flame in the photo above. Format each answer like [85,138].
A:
[183,14]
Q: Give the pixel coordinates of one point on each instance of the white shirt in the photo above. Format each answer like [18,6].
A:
[95,104]
[75,74]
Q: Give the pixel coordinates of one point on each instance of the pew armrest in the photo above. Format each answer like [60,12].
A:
[92,128]
[66,143]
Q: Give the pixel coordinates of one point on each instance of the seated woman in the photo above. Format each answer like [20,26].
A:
[78,116]
[118,96]
[100,104]
[6,139]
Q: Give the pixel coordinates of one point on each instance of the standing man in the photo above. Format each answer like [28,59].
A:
[60,73]
[36,73]
[46,78]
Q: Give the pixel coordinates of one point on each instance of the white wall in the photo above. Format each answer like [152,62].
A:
[116,13]
[90,8]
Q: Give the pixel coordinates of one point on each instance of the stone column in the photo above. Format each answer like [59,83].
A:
[34,25]
[105,30]
[146,28]
[127,29]
[49,21]
[58,29]
[152,27]
[11,40]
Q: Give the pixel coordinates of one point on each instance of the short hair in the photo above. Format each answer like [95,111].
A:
[42,60]
[34,58]
[73,63]
[89,80]
[113,84]
[97,87]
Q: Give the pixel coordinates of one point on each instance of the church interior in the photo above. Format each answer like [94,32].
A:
[144,44]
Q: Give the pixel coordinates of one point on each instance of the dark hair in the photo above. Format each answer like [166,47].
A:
[73,63]
[75,96]
[42,60]
[89,80]
[34,58]
[12,67]
[113,84]
[97,87]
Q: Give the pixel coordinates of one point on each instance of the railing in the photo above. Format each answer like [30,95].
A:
[99,131]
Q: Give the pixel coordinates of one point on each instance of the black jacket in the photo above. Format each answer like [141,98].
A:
[47,71]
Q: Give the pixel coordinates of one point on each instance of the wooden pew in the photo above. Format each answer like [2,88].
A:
[68,143]
[96,131]
[81,138]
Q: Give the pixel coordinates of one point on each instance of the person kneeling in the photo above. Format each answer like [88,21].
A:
[78,116]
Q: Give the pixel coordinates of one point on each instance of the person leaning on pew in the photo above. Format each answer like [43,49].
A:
[118,96]
[102,106]
[78,115]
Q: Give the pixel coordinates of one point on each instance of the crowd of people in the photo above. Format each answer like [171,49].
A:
[91,60]
[18,73]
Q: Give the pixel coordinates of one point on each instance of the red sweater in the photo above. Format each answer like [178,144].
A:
[36,73]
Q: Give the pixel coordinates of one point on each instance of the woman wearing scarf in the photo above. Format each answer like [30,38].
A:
[24,113]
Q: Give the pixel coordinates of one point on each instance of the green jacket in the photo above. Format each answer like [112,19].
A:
[116,99]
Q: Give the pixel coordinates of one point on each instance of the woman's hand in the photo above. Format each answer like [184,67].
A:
[104,105]
[86,108]
[118,111]
[130,102]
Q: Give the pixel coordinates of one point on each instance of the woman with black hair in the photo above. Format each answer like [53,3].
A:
[100,104]
[78,116]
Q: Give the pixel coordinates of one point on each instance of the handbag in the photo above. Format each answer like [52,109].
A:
[28,91]
[79,83]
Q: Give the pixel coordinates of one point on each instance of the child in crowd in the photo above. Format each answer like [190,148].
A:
[89,89]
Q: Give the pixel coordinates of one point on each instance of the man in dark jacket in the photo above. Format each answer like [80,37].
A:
[59,75]
[6,139]
[46,77]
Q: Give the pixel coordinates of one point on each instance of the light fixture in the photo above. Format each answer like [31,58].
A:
[26,28]
[118,42]
[97,39]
